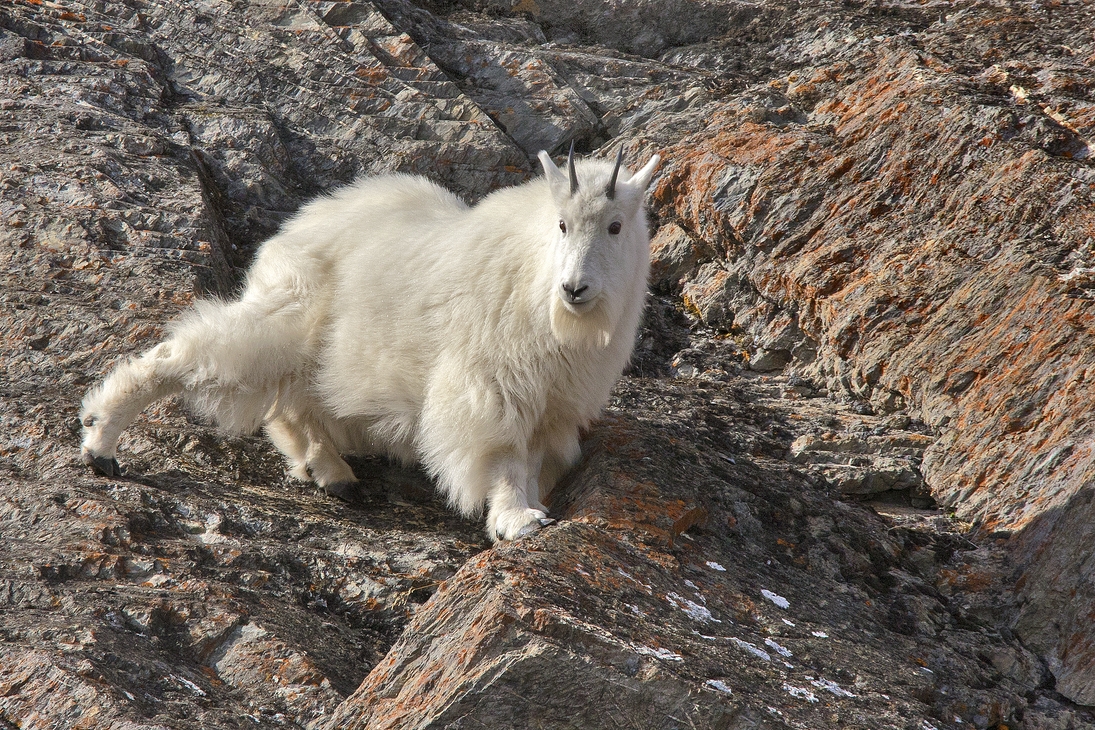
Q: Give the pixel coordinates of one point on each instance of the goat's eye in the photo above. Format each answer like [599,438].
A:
[614,227]
[563,226]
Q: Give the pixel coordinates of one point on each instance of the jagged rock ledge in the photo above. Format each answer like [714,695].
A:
[873,292]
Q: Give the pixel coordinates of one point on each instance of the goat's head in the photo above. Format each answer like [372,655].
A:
[602,234]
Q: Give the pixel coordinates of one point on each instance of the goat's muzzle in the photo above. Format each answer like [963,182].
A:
[575,294]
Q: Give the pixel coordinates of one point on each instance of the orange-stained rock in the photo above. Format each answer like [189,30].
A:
[929,229]
[770,597]
[875,267]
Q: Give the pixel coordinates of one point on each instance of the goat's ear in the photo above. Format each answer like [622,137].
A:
[557,179]
[641,179]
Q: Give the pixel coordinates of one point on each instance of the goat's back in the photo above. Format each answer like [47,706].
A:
[394,271]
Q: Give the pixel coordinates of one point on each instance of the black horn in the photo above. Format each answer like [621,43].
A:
[570,166]
[610,191]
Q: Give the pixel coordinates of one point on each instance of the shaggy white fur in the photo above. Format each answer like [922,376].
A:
[392,318]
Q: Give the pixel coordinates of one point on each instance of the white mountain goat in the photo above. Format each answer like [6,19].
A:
[392,318]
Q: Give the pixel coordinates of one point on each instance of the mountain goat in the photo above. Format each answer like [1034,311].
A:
[392,318]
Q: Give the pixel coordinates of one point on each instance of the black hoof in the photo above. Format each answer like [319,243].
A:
[107,466]
[529,529]
[535,526]
[346,491]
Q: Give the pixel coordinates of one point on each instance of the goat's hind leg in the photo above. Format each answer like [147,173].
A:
[110,407]
[312,456]
[292,442]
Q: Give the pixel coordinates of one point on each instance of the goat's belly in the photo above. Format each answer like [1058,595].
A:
[381,434]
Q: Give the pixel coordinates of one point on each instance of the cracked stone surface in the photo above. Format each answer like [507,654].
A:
[845,483]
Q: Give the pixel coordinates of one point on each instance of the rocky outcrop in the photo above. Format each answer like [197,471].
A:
[872,281]
[920,213]
[697,579]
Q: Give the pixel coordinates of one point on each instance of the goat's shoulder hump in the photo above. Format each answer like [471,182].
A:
[397,189]
[528,196]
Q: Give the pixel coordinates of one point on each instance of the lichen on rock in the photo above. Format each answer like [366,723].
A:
[861,386]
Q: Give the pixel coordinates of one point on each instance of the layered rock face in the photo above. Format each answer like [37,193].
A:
[873,277]
[913,226]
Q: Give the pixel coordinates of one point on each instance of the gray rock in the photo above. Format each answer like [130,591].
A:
[892,198]
[673,255]
[765,360]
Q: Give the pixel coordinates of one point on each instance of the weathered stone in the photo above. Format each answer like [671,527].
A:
[650,604]
[925,217]
[705,296]
[765,360]
[545,96]
[895,199]
[643,27]
[673,255]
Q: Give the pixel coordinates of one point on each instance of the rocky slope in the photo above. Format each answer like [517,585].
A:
[872,295]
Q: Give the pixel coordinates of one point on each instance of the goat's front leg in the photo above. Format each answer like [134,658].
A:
[510,511]
[559,451]
[532,480]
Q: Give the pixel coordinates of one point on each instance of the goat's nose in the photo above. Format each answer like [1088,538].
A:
[574,293]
